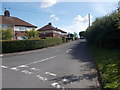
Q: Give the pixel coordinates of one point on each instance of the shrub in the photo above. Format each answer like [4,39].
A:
[32,34]
[6,34]
[23,45]
[105,31]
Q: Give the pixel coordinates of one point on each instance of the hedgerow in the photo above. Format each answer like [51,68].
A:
[105,31]
[10,46]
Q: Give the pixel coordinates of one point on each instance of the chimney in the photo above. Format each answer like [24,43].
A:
[7,13]
[50,24]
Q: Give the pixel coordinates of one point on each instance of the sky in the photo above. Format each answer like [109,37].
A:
[68,16]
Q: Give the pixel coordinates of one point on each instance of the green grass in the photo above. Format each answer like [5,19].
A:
[108,62]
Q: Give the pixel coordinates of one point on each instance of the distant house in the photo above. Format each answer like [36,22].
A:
[50,31]
[18,26]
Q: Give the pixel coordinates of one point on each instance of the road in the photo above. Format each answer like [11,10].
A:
[64,66]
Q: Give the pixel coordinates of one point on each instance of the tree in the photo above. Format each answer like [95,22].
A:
[32,34]
[70,36]
[7,34]
[81,34]
[75,35]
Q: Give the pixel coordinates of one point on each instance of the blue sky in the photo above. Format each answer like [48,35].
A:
[69,16]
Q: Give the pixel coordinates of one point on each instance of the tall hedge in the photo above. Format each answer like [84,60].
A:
[24,45]
[105,31]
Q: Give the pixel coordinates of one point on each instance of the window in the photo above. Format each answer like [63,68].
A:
[22,28]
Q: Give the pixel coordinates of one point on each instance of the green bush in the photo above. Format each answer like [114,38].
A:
[23,45]
[6,34]
[105,31]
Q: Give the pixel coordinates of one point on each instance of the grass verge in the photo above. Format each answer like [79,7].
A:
[108,62]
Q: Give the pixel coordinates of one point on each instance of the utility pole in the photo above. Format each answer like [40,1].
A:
[89,19]
[118,6]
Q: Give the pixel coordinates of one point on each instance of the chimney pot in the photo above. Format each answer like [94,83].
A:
[7,13]
[50,24]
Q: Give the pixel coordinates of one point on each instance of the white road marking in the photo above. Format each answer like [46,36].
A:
[26,72]
[4,66]
[56,85]
[15,69]
[52,74]
[65,80]
[41,78]
[23,66]
[35,69]
[41,60]
[68,50]
[29,73]
[1,55]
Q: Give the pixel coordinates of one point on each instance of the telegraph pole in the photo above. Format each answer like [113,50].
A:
[89,19]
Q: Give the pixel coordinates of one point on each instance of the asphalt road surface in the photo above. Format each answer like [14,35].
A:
[64,66]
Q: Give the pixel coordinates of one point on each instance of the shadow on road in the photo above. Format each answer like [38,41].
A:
[73,78]
[81,52]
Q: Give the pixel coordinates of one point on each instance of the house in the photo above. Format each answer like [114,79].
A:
[17,25]
[50,31]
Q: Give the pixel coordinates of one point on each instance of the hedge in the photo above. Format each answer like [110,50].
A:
[105,31]
[24,45]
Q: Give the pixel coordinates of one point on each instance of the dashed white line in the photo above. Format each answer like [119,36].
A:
[4,66]
[14,68]
[42,60]
[23,66]
[52,74]
[35,69]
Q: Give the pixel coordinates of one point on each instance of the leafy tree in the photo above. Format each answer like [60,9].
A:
[81,34]
[32,34]
[6,34]
[75,36]
[70,36]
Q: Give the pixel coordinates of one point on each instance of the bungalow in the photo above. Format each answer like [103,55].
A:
[17,25]
[50,31]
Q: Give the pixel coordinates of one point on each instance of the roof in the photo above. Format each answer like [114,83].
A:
[50,27]
[15,21]
[62,31]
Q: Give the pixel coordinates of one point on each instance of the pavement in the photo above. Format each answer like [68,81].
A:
[67,65]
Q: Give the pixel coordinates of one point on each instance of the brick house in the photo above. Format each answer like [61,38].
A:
[17,25]
[50,31]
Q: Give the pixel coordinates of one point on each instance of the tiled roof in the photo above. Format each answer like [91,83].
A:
[15,21]
[50,27]
[47,27]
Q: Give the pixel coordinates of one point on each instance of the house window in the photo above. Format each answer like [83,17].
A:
[22,28]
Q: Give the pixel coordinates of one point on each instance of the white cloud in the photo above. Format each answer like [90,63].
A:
[79,24]
[54,17]
[48,3]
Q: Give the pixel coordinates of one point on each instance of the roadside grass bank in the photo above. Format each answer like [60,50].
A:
[108,63]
